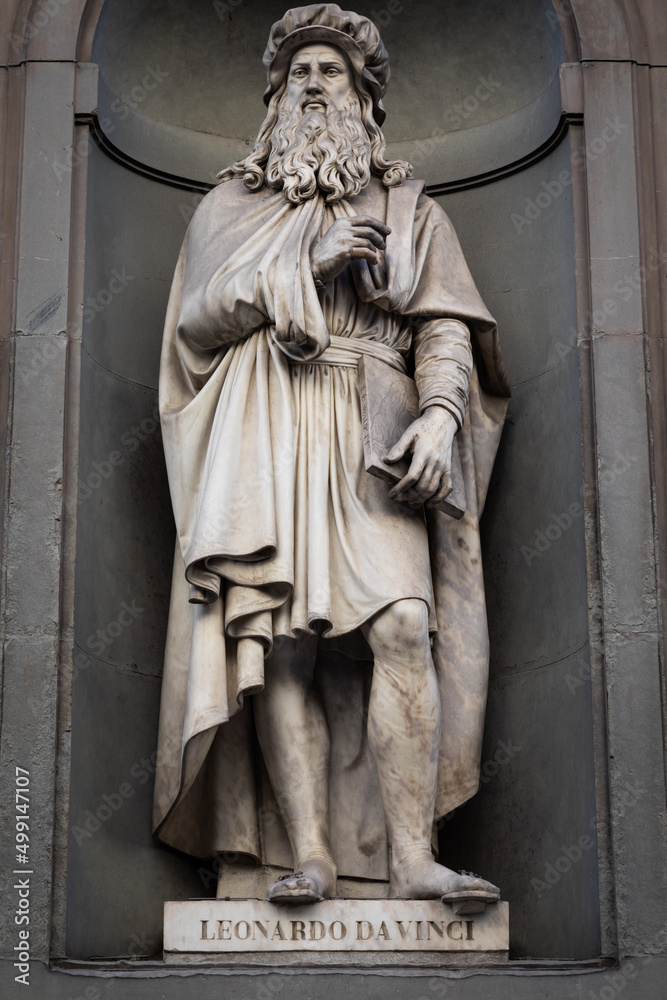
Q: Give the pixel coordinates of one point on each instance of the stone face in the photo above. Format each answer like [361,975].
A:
[352,925]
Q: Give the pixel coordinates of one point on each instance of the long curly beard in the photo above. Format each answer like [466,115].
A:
[311,151]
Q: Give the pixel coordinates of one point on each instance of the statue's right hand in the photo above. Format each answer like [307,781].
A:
[357,238]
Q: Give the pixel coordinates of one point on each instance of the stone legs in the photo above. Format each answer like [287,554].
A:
[404,734]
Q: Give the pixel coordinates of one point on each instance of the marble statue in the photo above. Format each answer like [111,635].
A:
[327,653]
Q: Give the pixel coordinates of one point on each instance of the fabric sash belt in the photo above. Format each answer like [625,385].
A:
[346,351]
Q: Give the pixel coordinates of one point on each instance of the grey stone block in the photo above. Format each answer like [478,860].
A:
[624,487]
[637,791]
[28,733]
[43,271]
[35,494]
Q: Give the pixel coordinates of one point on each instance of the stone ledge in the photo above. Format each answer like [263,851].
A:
[342,960]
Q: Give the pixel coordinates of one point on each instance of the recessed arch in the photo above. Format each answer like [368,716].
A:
[119,377]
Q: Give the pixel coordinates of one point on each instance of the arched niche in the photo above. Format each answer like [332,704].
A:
[179,97]
[497,66]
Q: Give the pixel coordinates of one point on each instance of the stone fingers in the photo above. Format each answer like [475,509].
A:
[367,234]
[370,222]
[444,490]
[409,481]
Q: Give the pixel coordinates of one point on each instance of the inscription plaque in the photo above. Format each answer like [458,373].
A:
[348,925]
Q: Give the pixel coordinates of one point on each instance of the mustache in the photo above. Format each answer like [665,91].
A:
[316,99]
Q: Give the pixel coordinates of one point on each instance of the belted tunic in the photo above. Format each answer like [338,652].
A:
[281,531]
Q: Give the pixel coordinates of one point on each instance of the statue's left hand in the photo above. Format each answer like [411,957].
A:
[430,439]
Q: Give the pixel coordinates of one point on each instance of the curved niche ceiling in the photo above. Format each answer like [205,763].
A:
[474,82]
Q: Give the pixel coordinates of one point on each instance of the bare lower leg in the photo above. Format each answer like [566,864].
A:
[294,738]
[404,734]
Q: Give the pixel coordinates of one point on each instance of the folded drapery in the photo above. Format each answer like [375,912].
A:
[236,414]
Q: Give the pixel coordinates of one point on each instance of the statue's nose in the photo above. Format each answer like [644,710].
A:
[314,85]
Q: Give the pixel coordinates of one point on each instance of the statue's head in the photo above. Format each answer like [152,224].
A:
[327,73]
[326,24]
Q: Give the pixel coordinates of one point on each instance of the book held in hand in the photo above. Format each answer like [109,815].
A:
[389,404]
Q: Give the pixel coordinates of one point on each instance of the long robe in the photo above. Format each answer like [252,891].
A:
[245,389]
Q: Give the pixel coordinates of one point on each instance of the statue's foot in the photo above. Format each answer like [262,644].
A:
[425,879]
[471,894]
[313,882]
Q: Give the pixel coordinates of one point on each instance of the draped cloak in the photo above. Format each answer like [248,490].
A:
[244,311]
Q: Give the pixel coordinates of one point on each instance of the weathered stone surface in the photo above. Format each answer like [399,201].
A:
[265,453]
[44,248]
[351,925]
[27,772]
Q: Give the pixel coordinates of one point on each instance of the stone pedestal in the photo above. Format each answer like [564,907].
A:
[341,931]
